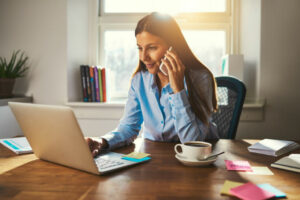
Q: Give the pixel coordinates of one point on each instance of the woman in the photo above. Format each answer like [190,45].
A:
[174,107]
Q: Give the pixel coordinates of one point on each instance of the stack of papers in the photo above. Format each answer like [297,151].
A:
[18,145]
[273,147]
[291,163]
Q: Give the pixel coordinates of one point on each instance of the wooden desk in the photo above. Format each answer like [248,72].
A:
[161,178]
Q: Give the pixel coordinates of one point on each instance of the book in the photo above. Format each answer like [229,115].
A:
[100,85]
[93,91]
[18,145]
[273,147]
[291,163]
[96,84]
[103,84]
[83,83]
[88,85]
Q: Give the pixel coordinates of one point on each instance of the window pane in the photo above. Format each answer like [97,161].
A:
[121,55]
[166,6]
[208,46]
[121,58]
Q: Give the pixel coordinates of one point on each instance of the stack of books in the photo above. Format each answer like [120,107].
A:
[273,147]
[93,82]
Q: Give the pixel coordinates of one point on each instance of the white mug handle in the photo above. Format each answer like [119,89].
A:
[176,147]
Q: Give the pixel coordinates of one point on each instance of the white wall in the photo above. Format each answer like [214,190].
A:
[38,28]
[54,35]
[250,16]
[272,45]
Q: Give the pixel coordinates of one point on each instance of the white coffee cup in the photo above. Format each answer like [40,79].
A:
[193,150]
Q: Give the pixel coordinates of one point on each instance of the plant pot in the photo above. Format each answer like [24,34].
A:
[6,87]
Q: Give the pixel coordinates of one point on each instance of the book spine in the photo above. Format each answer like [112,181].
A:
[88,85]
[96,84]
[83,83]
[92,84]
[103,84]
[100,85]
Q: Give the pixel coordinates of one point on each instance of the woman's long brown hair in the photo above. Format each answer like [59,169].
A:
[165,27]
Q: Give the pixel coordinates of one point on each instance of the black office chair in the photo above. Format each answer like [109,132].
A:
[231,95]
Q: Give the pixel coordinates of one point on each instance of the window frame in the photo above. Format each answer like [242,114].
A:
[222,21]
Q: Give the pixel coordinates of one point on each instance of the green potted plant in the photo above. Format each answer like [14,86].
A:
[9,71]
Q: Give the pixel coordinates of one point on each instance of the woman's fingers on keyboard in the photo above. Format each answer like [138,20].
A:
[89,141]
[95,152]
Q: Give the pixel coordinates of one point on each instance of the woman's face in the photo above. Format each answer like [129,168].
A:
[151,50]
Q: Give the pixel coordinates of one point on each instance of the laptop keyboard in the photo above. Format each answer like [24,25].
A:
[105,163]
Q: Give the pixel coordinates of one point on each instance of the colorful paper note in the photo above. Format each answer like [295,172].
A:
[250,191]
[260,171]
[270,188]
[137,155]
[228,185]
[239,165]
[135,159]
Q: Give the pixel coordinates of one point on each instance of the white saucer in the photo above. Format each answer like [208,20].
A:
[195,163]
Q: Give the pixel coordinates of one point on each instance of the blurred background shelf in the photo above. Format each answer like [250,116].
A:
[16,98]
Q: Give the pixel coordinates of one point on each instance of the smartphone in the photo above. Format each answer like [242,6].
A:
[162,67]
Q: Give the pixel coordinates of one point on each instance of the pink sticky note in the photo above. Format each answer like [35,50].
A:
[239,165]
[250,191]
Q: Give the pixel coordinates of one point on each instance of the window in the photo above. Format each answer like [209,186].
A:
[206,25]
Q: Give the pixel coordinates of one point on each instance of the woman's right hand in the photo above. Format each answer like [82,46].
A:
[95,146]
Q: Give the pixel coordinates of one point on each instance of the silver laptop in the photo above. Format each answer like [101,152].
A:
[54,135]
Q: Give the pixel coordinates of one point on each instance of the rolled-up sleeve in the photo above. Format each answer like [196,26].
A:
[187,125]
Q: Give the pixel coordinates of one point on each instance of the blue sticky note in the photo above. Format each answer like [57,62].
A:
[270,188]
[11,145]
[136,160]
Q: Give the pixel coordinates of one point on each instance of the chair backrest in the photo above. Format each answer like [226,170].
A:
[231,95]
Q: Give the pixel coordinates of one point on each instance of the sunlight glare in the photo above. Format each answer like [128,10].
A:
[171,7]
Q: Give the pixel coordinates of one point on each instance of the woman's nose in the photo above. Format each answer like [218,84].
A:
[144,56]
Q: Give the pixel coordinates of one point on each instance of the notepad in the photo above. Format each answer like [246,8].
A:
[228,185]
[273,147]
[135,159]
[238,165]
[250,191]
[291,163]
[260,171]
[272,189]
[18,145]
[137,155]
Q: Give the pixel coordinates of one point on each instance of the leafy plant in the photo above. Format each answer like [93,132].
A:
[16,67]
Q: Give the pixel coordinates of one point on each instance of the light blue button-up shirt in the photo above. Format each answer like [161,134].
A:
[166,116]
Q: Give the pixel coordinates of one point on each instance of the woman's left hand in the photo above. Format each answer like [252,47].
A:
[175,71]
